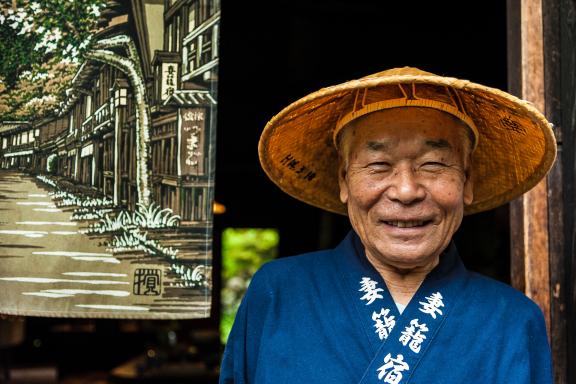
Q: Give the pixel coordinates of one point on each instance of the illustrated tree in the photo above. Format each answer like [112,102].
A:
[42,43]
[130,65]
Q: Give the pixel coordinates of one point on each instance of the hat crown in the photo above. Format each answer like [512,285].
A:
[403,71]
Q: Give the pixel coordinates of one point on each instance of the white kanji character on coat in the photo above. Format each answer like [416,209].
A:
[391,371]
[432,304]
[413,335]
[372,293]
[383,323]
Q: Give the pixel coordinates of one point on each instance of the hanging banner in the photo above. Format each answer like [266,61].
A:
[168,80]
[87,150]
[192,147]
[107,223]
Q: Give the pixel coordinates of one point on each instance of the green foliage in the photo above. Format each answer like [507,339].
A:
[243,252]
[16,54]
[41,44]
[50,28]
[37,94]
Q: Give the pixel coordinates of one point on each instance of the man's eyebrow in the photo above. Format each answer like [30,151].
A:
[440,143]
[378,145]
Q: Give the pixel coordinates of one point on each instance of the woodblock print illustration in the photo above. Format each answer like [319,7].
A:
[107,134]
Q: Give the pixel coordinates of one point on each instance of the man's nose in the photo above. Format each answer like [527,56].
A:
[405,187]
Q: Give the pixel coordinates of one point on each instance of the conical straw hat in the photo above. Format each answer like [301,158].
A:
[515,145]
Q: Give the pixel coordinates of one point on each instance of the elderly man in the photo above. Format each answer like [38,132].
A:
[405,154]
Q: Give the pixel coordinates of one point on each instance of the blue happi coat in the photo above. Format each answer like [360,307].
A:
[327,317]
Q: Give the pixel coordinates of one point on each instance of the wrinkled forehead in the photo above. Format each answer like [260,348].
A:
[398,125]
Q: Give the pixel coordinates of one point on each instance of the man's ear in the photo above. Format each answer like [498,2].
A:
[342,181]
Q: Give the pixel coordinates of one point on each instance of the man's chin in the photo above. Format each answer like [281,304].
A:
[408,257]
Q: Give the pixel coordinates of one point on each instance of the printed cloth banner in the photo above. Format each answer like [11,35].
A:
[107,160]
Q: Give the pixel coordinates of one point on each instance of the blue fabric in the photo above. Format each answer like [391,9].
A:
[307,319]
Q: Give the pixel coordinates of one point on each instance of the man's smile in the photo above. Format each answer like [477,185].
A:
[407,223]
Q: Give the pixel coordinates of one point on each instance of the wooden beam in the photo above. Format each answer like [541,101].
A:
[515,87]
[560,183]
[529,240]
[565,119]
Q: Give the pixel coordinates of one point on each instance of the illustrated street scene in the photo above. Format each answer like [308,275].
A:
[107,139]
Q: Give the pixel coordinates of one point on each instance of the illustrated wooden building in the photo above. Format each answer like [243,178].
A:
[17,143]
[52,132]
[183,69]
[92,141]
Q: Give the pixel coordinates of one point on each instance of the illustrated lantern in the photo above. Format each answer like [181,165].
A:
[120,97]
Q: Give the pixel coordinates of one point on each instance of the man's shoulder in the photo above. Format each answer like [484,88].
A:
[305,263]
[496,294]
[302,273]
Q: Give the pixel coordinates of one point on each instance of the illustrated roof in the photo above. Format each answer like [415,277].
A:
[190,97]
[11,125]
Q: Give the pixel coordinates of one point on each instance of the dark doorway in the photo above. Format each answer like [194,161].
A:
[273,53]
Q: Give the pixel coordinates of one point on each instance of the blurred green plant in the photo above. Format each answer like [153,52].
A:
[244,250]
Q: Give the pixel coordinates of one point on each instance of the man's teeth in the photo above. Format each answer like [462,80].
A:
[406,224]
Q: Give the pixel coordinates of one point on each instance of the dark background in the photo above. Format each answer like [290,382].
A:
[271,54]
[275,52]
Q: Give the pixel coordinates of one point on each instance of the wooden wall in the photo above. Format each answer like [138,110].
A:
[542,43]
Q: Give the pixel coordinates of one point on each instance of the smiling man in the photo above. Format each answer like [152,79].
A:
[405,177]
[405,154]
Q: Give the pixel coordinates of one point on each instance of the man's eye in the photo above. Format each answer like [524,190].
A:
[433,165]
[379,166]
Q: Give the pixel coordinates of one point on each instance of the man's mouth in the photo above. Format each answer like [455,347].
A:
[407,223]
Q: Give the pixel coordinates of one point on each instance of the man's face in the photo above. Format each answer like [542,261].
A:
[405,181]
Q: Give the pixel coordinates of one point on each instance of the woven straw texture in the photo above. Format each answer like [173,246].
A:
[516,146]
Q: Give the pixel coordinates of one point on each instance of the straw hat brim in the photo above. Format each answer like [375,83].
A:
[516,146]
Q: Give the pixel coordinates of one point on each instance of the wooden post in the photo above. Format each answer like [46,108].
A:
[117,153]
[561,183]
[529,227]
[542,42]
